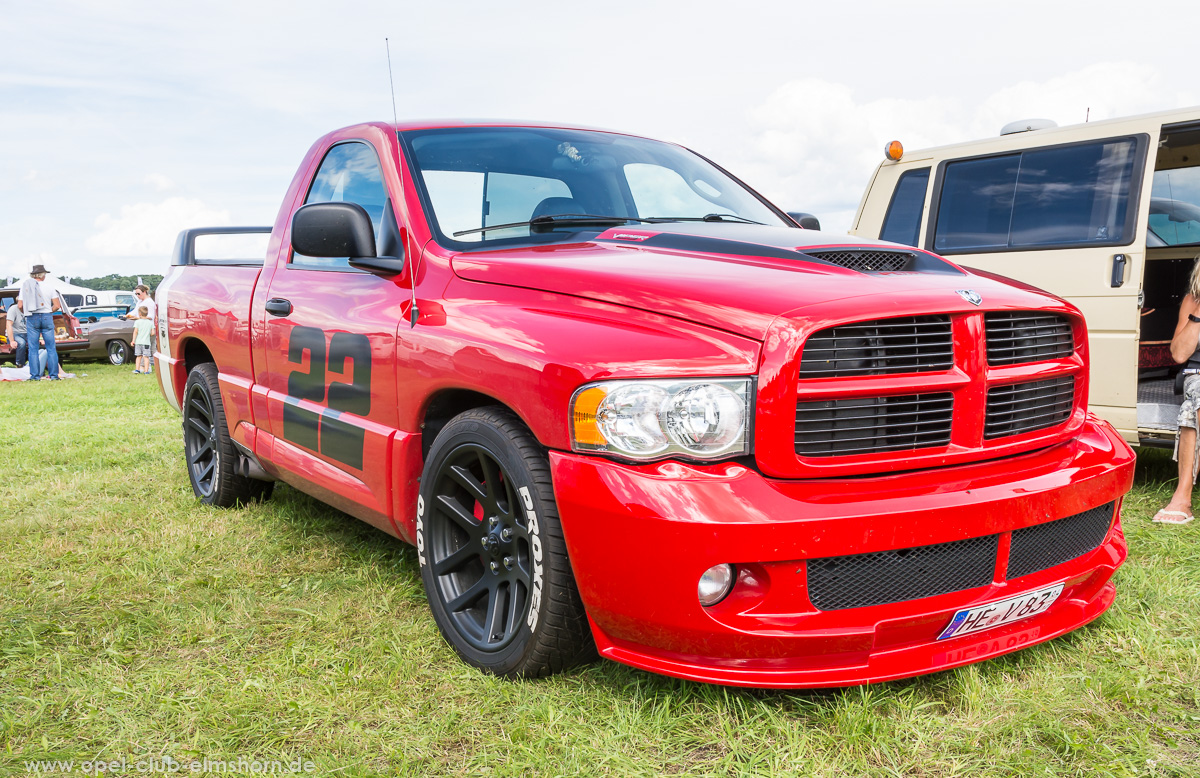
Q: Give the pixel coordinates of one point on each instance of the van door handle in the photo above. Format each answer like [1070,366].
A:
[1118,276]
[277,306]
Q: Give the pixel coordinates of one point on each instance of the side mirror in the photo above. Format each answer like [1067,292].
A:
[805,220]
[333,230]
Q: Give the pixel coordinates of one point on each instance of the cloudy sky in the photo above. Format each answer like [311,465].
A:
[124,122]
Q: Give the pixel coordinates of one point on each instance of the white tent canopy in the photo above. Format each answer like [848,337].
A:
[68,288]
[85,296]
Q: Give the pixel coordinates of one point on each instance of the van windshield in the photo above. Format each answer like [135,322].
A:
[496,186]
[1175,208]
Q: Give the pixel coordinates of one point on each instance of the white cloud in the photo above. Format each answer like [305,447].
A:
[150,229]
[19,268]
[159,182]
[818,142]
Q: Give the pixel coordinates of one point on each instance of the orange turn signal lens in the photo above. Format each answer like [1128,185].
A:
[894,151]
[583,417]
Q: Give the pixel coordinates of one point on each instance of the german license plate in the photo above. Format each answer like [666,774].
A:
[1003,612]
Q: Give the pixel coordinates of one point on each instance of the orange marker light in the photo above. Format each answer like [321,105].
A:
[894,151]
[583,417]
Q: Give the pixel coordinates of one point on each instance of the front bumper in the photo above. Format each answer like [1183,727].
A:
[639,538]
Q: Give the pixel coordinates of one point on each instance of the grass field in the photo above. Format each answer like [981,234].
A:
[136,623]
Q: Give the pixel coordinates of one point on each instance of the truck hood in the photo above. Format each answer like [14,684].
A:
[734,277]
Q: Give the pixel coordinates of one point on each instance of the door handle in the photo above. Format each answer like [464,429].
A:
[1118,270]
[277,306]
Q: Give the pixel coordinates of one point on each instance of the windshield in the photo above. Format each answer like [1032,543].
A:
[474,178]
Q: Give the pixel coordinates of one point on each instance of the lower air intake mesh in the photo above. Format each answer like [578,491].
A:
[859,580]
[1043,546]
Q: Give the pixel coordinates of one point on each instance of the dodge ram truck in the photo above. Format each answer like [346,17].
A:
[621,403]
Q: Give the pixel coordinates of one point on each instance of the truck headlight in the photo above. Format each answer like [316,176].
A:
[699,418]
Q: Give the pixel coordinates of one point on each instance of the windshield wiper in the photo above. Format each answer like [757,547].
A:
[557,218]
[709,217]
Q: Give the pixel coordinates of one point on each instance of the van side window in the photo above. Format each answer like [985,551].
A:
[1076,195]
[350,173]
[1175,208]
[902,224]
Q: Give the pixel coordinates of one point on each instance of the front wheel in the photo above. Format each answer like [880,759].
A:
[209,451]
[118,352]
[491,549]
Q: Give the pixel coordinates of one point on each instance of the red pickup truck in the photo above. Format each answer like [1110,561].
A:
[620,402]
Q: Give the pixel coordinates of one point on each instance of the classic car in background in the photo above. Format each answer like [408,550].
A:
[68,339]
[110,339]
[90,314]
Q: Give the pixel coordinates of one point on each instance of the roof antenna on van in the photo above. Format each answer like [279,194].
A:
[1087,115]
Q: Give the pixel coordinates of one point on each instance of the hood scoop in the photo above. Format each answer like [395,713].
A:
[869,261]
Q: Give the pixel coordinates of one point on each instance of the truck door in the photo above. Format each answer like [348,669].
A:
[1069,217]
[330,354]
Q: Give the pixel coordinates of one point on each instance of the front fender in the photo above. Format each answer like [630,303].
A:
[531,350]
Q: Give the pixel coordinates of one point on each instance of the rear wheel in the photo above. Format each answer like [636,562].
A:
[118,352]
[210,454]
[491,548]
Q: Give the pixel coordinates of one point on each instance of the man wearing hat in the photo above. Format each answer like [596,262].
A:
[39,302]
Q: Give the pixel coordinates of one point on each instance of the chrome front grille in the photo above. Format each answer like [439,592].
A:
[1017,337]
[916,390]
[1018,408]
[907,344]
[868,425]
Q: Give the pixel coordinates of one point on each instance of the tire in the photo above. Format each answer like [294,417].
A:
[208,451]
[118,352]
[491,550]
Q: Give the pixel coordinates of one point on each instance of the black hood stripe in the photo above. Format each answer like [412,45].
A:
[923,262]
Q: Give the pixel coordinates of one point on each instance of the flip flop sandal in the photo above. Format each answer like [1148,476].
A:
[1172,517]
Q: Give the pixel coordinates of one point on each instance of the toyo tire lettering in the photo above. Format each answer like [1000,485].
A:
[420,531]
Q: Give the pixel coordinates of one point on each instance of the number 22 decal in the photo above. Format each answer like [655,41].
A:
[325,431]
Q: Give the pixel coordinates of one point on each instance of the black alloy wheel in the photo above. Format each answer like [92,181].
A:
[210,454]
[480,549]
[492,555]
[118,352]
[200,441]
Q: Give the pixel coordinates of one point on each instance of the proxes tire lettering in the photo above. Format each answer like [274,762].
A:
[535,547]
[420,530]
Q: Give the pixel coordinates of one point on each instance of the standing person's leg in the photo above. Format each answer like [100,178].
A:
[32,333]
[1179,509]
[22,350]
[51,349]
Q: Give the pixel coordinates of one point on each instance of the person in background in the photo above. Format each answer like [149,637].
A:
[39,302]
[15,332]
[142,347]
[1185,350]
[142,293]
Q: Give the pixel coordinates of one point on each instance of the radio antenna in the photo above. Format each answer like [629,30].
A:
[413,312]
[391,82]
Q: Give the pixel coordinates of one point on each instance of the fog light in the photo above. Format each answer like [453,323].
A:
[715,584]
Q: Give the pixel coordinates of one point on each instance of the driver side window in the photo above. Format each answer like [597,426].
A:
[350,173]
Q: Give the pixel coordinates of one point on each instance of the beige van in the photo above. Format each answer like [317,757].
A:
[1105,214]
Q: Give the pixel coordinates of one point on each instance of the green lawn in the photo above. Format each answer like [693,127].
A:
[136,623]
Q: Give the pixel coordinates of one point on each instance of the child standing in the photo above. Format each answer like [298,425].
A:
[141,340]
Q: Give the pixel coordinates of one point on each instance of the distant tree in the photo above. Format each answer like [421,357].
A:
[116,282]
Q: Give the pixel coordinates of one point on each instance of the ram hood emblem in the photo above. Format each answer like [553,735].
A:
[970,295]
